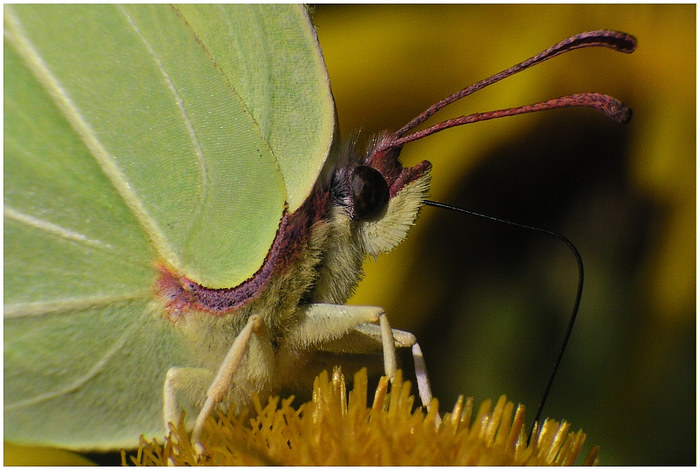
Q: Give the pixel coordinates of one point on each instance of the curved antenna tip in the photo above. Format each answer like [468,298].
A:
[620,112]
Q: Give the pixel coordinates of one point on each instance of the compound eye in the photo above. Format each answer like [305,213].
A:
[369,191]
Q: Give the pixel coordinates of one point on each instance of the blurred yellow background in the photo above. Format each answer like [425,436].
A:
[489,303]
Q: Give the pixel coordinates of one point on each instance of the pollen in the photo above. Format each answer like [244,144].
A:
[339,428]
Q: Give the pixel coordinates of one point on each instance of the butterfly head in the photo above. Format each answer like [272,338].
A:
[380,197]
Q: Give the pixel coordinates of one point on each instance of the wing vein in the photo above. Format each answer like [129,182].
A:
[76,384]
[15,33]
[37,309]
[180,103]
[53,229]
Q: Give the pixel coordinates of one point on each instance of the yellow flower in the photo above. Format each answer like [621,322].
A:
[336,428]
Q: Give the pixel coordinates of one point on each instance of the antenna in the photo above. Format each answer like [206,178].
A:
[611,107]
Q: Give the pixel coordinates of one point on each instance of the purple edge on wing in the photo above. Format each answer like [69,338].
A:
[182,294]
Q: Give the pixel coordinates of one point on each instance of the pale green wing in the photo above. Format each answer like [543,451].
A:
[294,111]
[126,144]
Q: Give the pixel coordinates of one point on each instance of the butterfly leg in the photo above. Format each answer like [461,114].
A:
[221,383]
[327,323]
[402,339]
[353,329]
[388,346]
[399,338]
[181,378]
[426,395]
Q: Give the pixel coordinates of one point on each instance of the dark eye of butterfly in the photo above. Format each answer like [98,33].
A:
[370,193]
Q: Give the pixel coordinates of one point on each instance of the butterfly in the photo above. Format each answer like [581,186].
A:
[183,225]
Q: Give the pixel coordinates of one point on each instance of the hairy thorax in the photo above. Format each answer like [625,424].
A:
[316,258]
